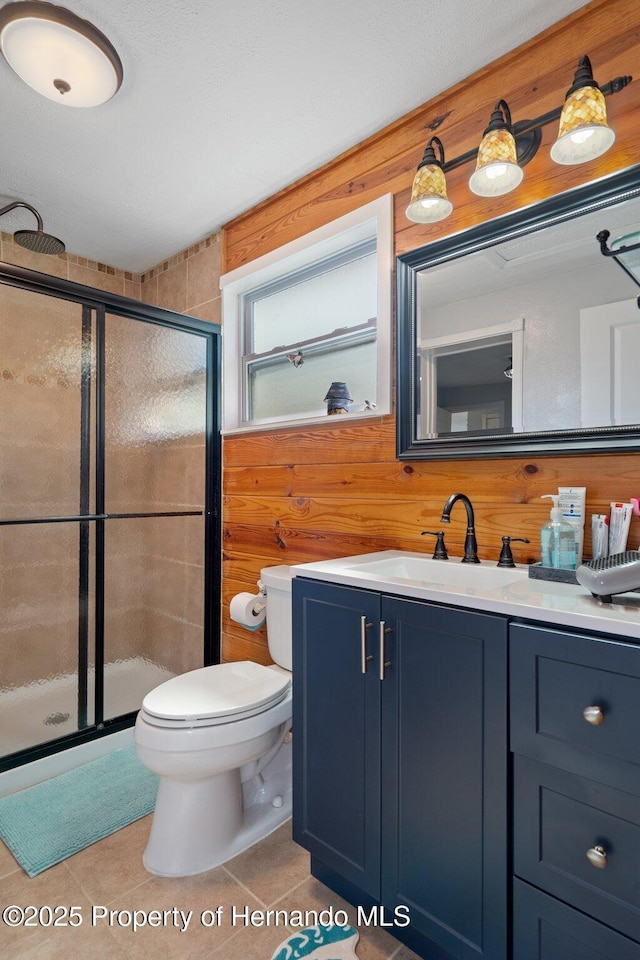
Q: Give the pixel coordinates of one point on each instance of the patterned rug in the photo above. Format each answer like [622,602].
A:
[329,942]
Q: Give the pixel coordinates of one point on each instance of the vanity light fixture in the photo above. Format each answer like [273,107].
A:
[429,201]
[584,135]
[497,170]
[57,53]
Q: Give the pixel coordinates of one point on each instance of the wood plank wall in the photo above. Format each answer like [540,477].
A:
[316,492]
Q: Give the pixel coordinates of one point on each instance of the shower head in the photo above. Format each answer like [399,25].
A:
[36,240]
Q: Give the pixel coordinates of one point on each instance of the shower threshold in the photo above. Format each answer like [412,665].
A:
[38,712]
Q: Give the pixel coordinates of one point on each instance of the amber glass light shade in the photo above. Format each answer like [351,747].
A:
[497,170]
[429,202]
[584,133]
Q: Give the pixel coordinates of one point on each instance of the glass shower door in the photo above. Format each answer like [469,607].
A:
[46,386]
[108,511]
[154,499]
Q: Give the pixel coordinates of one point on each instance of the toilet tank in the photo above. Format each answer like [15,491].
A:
[277,583]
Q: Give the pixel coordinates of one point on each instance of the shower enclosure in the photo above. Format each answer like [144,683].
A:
[109,503]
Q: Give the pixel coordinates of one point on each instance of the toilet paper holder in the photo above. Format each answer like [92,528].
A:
[250,609]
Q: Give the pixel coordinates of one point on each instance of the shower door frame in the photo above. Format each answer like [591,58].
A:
[97,304]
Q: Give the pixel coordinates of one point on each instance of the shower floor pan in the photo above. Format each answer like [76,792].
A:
[43,711]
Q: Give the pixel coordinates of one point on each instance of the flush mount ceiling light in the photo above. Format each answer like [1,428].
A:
[584,133]
[429,202]
[60,55]
[505,149]
[497,169]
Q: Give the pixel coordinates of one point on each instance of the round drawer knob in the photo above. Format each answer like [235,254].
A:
[593,715]
[597,857]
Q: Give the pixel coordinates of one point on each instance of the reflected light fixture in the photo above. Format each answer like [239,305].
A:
[497,170]
[584,133]
[429,202]
[60,55]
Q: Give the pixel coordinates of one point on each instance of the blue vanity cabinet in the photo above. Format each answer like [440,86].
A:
[426,801]
[575,734]
[336,719]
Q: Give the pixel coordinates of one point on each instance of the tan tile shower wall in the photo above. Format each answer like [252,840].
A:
[69,266]
[188,282]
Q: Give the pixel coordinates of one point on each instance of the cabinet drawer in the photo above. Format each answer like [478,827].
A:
[545,929]
[555,677]
[562,824]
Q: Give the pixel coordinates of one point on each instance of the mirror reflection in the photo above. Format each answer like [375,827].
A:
[536,333]
[518,336]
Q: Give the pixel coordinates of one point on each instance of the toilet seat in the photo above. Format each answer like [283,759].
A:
[211,696]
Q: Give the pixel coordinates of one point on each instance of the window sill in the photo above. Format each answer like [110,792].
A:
[300,423]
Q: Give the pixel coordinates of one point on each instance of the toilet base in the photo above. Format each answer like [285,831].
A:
[219,817]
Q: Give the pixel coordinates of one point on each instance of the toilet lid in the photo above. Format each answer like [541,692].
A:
[222,692]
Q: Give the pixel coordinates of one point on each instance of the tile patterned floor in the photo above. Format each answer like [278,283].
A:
[107,880]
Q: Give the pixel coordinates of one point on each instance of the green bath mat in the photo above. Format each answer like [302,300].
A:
[49,822]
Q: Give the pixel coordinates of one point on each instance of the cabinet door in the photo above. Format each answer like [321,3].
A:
[546,929]
[336,729]
[444,817]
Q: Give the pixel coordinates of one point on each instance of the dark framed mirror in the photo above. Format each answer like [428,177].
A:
[519,337]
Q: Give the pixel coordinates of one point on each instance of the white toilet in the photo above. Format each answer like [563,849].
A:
[219,739]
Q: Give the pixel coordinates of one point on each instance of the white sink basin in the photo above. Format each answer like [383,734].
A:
[441,573]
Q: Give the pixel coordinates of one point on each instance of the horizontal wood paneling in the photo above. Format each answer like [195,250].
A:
[302,494]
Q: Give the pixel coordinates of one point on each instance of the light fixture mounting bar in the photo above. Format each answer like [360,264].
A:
[523,128]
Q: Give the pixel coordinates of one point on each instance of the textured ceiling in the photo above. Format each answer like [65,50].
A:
[224,103]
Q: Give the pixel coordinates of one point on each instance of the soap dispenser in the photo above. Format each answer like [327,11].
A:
[557,540]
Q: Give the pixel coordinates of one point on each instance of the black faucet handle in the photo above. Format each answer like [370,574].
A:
[440,552]
[506,557]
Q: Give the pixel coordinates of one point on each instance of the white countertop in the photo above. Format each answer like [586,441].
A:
[564,604]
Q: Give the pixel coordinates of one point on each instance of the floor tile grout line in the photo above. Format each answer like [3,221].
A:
[292,890]
[92,899]
[244,886]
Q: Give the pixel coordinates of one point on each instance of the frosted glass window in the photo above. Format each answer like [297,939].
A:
[276,391]
[314,306]
[309,329]
[312,313]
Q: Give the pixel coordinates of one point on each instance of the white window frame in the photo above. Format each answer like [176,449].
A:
[375,220]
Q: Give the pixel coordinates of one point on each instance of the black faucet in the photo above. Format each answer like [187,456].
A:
[470,542]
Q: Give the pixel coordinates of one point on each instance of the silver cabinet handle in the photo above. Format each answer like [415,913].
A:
[597,857]
[383,664]
[363,643]
[593,715]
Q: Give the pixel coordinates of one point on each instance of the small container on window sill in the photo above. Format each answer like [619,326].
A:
[338,398]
